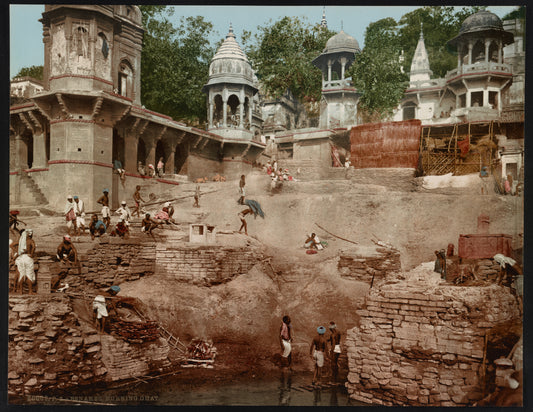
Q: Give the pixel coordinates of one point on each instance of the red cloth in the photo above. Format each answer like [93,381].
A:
[311,251]
[464,146]
[71,215]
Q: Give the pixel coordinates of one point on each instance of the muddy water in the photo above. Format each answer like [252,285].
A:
[286,389]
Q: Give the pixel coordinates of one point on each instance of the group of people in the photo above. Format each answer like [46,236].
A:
[321,345]
[22,253]
[152,171]
[74,213]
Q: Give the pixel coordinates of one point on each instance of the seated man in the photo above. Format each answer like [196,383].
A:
[96,226]
[66,252]
[121,229]
[149,224]
[313,242]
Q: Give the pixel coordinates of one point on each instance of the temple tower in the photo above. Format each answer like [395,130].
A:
[92,77]
[481,74]
[338,107]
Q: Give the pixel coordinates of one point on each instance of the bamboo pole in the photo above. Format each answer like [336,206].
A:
[338,237]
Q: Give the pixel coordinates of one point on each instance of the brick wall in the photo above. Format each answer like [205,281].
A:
[204,265]
[113,261]
[424,347]
[364,263]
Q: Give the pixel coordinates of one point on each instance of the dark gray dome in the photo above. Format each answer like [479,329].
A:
[482,20]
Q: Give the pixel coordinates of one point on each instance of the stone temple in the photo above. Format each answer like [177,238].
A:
[66,133]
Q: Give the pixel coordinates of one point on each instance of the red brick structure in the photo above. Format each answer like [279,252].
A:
[481,246]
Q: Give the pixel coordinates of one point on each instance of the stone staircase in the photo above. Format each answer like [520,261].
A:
[30,193]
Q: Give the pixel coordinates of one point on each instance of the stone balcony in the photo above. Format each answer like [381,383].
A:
[480,67]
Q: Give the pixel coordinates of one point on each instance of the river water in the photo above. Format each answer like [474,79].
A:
[285,388]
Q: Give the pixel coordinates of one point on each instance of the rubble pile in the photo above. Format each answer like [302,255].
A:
[200,353]
[364,264]
[422,342]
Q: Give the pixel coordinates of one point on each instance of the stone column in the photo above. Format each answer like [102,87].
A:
[39,150]
[224,113]
[329,70]
[459,62]
[21,150]
[470,46]
[131,143]
[343,65]
[468,98]
[500,52]
[241,114]
[211,105]
[169,164]
[485,98]
[250,115]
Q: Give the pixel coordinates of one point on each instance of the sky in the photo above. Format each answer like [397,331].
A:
[27,49]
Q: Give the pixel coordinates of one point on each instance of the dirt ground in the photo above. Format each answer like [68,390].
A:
[243,316]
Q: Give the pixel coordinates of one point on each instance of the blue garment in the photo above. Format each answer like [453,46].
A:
[256,208]
[98,224]
[118,164]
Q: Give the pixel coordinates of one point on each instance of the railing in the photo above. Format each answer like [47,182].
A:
[337,83]
[479,67]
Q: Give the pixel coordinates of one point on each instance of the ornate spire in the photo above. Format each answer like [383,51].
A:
[230,32]
[420,70]
[323,22]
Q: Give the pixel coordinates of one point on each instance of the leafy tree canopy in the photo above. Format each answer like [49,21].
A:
[34,71]
[519,13]
[377,71]
[175,64]
[281,54]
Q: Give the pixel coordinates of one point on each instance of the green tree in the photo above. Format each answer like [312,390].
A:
[175,64]
[377,73]
[34,71]
[281,54]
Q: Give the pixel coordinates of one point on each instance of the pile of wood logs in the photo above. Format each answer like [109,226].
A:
[135,332]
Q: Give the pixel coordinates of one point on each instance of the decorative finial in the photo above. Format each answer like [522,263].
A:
[324,23]
[230,33]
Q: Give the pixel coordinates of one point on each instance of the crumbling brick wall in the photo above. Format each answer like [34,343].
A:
[51,348]
[424,347]
[363,264]
[113,261]
[204,265]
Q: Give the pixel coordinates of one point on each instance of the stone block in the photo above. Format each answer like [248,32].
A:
[31,382]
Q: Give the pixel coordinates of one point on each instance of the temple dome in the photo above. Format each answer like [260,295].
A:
[230,64]
[341,42]
[482,22]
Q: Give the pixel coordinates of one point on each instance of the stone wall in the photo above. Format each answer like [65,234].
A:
[113,261]
[52,348]
[423,346]
[204,265]
[365,263]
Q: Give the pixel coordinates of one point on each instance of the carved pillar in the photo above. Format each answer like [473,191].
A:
[485,98]
[224,113]
[211,105]
[150,153]
[487,44]
[241,107]
[468,98]
[343,65]
[470,46]
[329,70]
[250,113]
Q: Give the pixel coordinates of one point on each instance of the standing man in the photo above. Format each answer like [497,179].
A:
[80,214]
[100,312]
[137,199]
[335,349]
[70,214]
[124,212]
[242,216]
[24,261]
[104,201]
[197,196]
[316,350]
[285,339]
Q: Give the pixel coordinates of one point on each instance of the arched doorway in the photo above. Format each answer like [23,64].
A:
[118,148]
[233,114]
[180,157]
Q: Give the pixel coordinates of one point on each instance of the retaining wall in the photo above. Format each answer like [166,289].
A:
[422,346]
[364,264]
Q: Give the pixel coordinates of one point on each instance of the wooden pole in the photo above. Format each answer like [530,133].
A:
[338,237]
